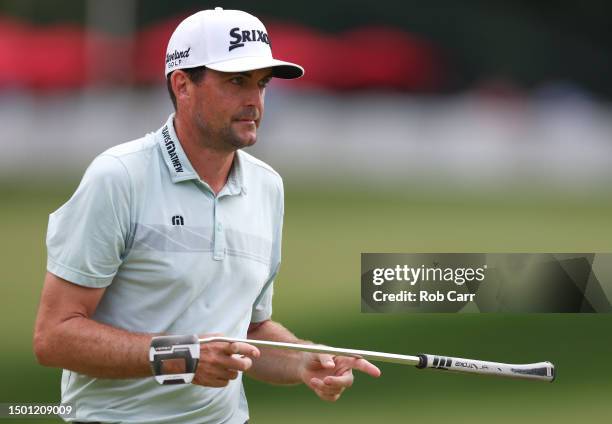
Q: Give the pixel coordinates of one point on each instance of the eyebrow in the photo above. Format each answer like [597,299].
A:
[250,74]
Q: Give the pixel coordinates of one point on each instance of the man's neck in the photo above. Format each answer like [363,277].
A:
[212,165]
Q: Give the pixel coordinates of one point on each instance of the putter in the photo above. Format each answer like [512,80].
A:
[188,348]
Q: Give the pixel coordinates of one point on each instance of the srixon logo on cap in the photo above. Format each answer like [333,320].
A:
[243,36]
[176,57]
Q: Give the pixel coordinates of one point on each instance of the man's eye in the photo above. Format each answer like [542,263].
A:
[264,83]
[236,80]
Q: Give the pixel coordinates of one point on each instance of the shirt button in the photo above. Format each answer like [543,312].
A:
[219,227]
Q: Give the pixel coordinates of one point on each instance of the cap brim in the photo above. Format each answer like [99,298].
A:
[280,69]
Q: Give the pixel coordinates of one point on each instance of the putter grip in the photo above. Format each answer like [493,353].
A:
[164,348]
[543,371]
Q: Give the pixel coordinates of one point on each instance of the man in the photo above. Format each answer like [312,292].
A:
[179,232]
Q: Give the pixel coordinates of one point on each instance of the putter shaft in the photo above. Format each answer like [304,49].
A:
[543,371]
[355,353]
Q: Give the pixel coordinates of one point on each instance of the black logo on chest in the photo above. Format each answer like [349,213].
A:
[178,220]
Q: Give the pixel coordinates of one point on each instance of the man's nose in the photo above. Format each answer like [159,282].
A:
[255,97]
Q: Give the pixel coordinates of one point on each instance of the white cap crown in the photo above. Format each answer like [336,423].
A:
[226,41]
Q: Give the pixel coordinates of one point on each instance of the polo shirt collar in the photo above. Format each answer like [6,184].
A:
[181,169]
[176,160]
[235,181]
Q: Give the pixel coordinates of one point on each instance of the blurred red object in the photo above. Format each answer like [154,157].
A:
[66,56]
[366,57]
[39,57]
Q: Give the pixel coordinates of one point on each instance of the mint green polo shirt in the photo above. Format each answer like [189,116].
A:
[173,258]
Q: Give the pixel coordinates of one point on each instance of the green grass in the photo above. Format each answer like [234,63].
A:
[317,295]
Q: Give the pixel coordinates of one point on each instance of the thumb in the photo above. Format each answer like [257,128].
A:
[326,360]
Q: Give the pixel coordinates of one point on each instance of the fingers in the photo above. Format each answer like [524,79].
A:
[329,392]
[221,362]
[326,360]
[222,374]
[242,349]
[346,362]
[214,374]
[330,387]
[329,398]
[342,381]
[333,384]
[235,362]
[366,367]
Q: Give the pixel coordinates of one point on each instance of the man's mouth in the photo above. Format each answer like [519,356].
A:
[248,121]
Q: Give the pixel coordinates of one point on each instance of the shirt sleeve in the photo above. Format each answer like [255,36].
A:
[87,236]
[262,307]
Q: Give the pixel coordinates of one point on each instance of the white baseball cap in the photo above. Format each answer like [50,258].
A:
[226,41]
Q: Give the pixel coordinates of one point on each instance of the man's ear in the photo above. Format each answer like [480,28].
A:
[180,85]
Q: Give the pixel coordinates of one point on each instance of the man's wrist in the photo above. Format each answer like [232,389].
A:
[174,358]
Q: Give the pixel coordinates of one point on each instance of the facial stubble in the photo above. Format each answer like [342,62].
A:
[224,138]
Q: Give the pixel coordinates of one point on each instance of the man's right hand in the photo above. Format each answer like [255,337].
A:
[220,362]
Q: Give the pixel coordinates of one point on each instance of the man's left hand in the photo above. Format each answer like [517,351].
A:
[328,376]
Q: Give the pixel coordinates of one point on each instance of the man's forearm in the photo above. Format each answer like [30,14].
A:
[274,365]
[83,345]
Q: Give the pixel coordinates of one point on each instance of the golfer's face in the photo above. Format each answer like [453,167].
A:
[230,106]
